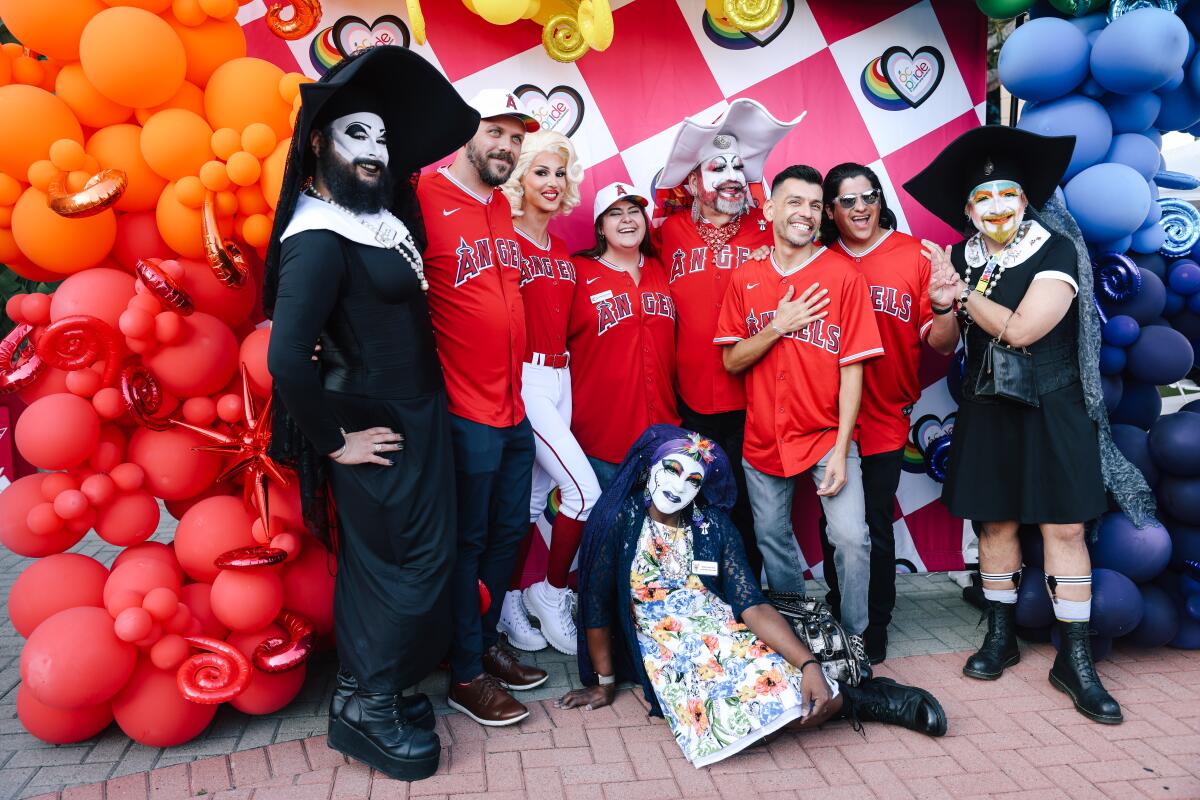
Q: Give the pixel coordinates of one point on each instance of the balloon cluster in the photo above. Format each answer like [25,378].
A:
[140,169]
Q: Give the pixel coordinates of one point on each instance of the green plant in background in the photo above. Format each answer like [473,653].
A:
[11,283]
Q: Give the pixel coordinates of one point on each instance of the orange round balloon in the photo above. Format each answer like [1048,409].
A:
[208,529]
[190,97]
[209,45]
[173,470]
[243,168]
[52,584]
[92,108]
[57,243]
[247,599]
[268,691]
[119,147]
[43,117]
[176,143]
[61,725]
[272,173]
[179,226]
[244,91]
[138,76]
[74,659]
[52,29]
[150,710]
[257,230]
[153,6]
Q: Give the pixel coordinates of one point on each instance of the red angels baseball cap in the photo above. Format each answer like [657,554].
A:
[499,103]
[614,192]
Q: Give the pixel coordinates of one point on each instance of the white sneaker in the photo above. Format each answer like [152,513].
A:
[552,609]
[514,623]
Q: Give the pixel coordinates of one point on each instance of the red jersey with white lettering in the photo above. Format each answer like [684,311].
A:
[547,287]
[622,342]
[699,277]
[792,392]
[472,263]
[897,276]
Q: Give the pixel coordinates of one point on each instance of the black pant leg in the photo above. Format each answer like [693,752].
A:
[508,521]
[881,477]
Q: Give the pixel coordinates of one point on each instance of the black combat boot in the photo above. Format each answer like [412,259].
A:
[884,700]
[372,729]
[999,645]
[416,707]
[1074,672]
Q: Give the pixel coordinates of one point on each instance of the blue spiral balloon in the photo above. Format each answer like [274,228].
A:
[1117,277]
[1181,221]
[937,457]
[1119,7]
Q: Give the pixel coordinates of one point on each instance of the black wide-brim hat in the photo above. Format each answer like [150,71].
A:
[991,153]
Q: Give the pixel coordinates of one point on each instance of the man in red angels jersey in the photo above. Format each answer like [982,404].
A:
[859,224]
[701,250]
[800,325]
[473,264]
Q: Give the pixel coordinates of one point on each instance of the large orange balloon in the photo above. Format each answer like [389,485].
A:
[52,584]
[44,119]
[92,108]
[15,504]
[173,470]
[268,691]
[231,306]
[132,57]
[202,363]
[52,29]
[190,97]
[101,293]
[308,584]
[247,599]
[179,226]
[244,91]
[176,142]
[61,725]
[209,45]
[272,173]
[153,6]
[57,243]
[208,529]
[150,710]
[119,147]
[57,432]
[74,659]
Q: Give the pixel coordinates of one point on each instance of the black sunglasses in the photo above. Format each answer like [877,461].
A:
[848,201]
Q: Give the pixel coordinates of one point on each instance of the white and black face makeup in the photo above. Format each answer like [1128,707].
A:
[674,482]
[352,158]
[361,139]
[720,183]
[996,209]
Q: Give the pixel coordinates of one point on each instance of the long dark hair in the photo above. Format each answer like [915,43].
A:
[646,248]
[830,189]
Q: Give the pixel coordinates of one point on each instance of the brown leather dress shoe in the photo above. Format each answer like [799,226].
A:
[487,702]
[501,662]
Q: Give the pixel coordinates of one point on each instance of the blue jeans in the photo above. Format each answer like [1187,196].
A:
[846,515]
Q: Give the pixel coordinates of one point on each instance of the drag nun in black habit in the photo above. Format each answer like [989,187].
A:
[365,426]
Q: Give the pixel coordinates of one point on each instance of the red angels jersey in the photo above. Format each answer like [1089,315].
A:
[792,392]
[472,263]
[699,279]
[622,342]
[547,287]
[898,279]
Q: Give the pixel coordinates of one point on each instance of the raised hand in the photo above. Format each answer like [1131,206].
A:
[945,285]
[793,315]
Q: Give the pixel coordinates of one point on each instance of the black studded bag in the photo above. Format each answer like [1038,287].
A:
[842,655]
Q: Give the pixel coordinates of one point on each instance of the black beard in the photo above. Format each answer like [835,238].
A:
[348,189]
[483,166]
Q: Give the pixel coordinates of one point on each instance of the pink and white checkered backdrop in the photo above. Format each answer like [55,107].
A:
[886,83]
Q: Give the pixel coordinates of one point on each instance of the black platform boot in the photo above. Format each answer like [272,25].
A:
[372,729]
[884,700]
[1074,672]
[416,707]
[1000,648]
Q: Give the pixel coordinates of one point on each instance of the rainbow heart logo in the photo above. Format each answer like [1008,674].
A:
[899,79]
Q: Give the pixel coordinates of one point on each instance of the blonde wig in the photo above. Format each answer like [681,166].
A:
[535,144]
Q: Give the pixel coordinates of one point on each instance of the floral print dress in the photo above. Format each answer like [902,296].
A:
[720,687]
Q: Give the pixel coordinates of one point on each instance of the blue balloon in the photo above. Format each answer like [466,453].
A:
[1134,445]
[1180,497]
[1194,307]
[1113,388]
[1184,277]
[1044,59]
[1174,443]
[1031,547]
[1171,179]
[1144,306]
[1089,24]
[1175,304]
[1160,619]
[1134,150]
[1151,262]
[1188,637]
[1188,322]
[1180,107]
[1139,51]
[1185,544]
[1175,82]
[1139,554]
[1121,245]
[1153,215]
[1108,201]
[1090,88]
[1116,603]
[1132,113]
[1078,116]
[1161,355]
[1112,360]
[1121,331]
[1154,136]
[1148,238]
[1140,405]
[1034,609]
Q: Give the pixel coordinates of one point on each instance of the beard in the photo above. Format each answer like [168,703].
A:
[483,165]
[726,205]
[349,189]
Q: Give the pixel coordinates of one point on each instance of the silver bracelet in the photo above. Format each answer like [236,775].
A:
[345,444]
[606,680]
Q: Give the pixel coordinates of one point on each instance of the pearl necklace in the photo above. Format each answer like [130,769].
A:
[388,237]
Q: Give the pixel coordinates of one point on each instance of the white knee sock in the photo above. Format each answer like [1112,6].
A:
[1006,596]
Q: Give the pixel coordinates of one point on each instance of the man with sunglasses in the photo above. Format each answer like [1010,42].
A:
[858,224]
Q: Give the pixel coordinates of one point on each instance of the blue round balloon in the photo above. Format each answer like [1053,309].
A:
[1033,603]
[1180,497]
[1151,262]
[1136,151]
[1184,277]
[1188,636]
[1175,304]
[1175,82]
[1180,107]
[1135,446]
[1113,388]
[1161,355]
[1089,23]
[1132,113]
[1108,201]
[1188,322]
[1116,603]
[1191,407]
[1148,239]
[1139,51]
[1144,306]
[1044,59]
[1140,404]
[1160,619]
[1078,116]
[1120,331]
[1139,554]
[1174,442]
[1153,215]
[1112,360]
[1185,544]
[1193,306]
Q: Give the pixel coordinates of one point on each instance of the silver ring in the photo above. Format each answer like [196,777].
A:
[376,448]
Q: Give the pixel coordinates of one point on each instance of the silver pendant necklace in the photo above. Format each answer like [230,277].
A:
[388,237]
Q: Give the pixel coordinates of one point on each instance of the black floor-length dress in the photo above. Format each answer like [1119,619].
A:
[378,367]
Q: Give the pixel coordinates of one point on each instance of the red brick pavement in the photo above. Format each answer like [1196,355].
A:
[1012,738]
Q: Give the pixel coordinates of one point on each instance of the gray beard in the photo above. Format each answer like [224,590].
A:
[722,205]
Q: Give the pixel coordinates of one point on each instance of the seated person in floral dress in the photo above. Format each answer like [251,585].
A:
[668,601]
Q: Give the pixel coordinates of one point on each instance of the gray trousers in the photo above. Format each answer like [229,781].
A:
[846,513]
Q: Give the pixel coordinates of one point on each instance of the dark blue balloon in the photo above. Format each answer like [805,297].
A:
[1139,554]
[1175,304]
[1033,602]
[1121,331]
[1135,446]
[1193,305]
[1116,603]
[1192,407]
[1151,262]
[1175,82]
[1108,201]
[1161,355]
[1139,51]
[1112,360]
[1184,277]
[1078,116]
[1188,637]
[1160,619]
[1146,305]
[1140,405]
[1044,59]
[1185,544]
[1174,443]
[1113,388]
[1180,497]
[1136,151]
[1188,322]
[1132,113]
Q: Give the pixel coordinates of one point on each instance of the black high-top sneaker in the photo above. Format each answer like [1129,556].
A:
[1000,648]
[1074,672]
[372,729]
[884,700]
[416,707]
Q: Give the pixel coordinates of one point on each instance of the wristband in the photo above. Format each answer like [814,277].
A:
[810,661]
[606,680]
[942,311]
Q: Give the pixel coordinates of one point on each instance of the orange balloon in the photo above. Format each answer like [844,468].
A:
[29,71]
[67,155]
[57,243]
[41,173]
[44,119]
[190,191]
[52,29]
[214,176]
[179,225]
[258,140]
[188,12]
[272,172]
[176,143]
[92,108]
[153,6]
[256,230]
[6,69]
[119,147]
[10,190]
[244,91]
[138,76]
[190,97]
[226,142]
[209,45]
[243,168]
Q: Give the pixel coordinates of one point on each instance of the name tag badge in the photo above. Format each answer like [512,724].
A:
[596,298]
[704,567]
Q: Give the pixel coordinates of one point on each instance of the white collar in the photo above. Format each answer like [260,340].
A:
[616,268]
[888,232]
[445,171]
[544,247]
[312,214]
[1028,240]
[796,268]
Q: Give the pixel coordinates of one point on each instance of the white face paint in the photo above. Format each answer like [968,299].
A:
[674,482]
[723,183]
[360,137]
[996,209]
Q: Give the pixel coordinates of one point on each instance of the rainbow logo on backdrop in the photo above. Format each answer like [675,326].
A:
[724,34]
[877,90]
[899,79]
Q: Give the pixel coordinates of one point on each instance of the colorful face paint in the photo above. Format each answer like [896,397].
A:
[996,209]
[674,482]
[723,183]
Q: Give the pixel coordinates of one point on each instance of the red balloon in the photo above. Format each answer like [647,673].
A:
[71,504]
[268,691]
[75,659]
[155,550]
[208,529]
[198,598]
[100,490]
[58,431]
[133,624]
[308,584]
[169,652]
[254,356]
[201,363]
[127,476]
[130,518]
[162,603]
[138,237]
[177,508]
[150,710]
[97,292]
[134,579]
[15,504]
[247,600]
[52,584]
[60,725]
[56,483]
[231,306]
[50,381]
[173,470]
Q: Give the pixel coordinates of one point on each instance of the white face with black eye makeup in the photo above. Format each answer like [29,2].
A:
[361,139]
[674,482]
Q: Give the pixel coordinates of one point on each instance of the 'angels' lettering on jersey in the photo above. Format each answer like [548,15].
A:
[886,300]
[536,266]
[817,334]
[612,309]
[474,258]
[685,262]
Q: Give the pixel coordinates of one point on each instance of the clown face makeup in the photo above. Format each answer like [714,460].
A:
[720,183]
[353,163]
[996,209]
[674,482]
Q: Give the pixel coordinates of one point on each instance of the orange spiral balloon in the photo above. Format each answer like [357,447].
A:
[217,676]
[101,191]
[77,342]
[277,654]
[223,255]
[18,368]
[143,397]
[305,16]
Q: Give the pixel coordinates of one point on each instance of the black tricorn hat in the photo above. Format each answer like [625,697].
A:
[991,153]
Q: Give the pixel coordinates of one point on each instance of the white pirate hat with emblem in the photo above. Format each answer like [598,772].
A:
[746,127]
[618,191]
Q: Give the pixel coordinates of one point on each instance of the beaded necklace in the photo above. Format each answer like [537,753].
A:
[388,237]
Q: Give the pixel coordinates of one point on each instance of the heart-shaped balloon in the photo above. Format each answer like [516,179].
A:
[352,34]
[560,109]
[913,76]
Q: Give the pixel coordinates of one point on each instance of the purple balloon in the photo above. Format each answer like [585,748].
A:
[1134,444]
[1174,443]
[1116,603]
[1180,498]
[1160,356]
[1160,619]
[1139,554]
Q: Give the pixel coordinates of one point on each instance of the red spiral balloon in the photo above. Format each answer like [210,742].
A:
[18,368]
[217,676]
[278,654]
[77,342]
[160,284]
[250,557]
[143,397]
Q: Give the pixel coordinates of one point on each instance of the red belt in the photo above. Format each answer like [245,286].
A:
[556,361]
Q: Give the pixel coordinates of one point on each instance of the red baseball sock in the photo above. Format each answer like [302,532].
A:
[514,582]
[565,536]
